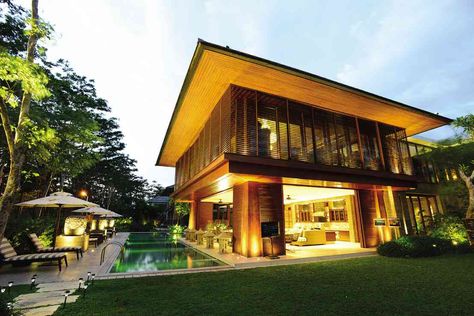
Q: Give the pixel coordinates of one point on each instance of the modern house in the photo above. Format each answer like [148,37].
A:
[274,151]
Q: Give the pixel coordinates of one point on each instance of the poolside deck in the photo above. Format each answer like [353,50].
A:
[47,273]
[294,254]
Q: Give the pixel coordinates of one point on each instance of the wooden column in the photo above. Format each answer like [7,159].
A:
[204,215]
[246,220]
[192,215]
[368,210]
[270,200]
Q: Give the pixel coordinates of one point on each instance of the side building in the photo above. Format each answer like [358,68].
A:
[274,151]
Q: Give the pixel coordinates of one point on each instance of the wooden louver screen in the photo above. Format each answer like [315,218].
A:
[252,123]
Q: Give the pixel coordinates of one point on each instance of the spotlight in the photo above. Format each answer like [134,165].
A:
[66,294]
[10,284]
[33,281]
[81,281]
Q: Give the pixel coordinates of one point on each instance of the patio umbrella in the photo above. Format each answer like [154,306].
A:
[96,210]
[58,200]
[112,215]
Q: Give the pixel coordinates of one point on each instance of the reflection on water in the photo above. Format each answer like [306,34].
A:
[158,251]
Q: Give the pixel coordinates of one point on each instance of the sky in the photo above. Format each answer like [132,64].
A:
[138,51]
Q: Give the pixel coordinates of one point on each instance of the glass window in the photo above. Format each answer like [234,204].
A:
[296,132]
[370,146]
[325,133]
[270,110]
[347,141]
[390,148]
[244,102]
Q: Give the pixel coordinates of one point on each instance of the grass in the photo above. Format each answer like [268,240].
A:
[17,290]
[366,286]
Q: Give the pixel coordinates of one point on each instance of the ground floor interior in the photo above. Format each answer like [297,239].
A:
[274,219]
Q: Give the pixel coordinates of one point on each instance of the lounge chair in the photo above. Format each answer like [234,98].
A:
[9,255]
[40,249]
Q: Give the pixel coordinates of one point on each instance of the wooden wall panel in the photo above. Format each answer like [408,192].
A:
[270,200]
[368,210]
[204,215]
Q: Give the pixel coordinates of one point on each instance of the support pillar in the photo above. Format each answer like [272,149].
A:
[192,215]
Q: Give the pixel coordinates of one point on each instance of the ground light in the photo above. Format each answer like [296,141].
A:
[2,289]
[93,277]
[88,276]
[66,294]
[33,281]
[10,284]
[81,281]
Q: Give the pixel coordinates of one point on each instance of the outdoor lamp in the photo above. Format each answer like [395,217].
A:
[33,281]
[83,193]
[66,294]
[2,289]
[88,276]
[93,277]
[81,281]
[10,284]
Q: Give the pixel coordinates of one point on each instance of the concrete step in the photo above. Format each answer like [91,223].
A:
[41,311]
[42,299]
[57,286]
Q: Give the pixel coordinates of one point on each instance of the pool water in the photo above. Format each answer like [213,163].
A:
[147,252]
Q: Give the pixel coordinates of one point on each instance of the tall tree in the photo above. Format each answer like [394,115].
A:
[460,156]
[21,81]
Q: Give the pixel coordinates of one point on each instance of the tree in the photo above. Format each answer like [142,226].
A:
[460,156]
[21,81]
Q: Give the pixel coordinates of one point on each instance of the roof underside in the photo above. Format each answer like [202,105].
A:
[214,68]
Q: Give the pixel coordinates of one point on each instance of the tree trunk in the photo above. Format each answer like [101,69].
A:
[17,148]
[470,188]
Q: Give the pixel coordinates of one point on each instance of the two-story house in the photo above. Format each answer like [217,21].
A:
[271,150]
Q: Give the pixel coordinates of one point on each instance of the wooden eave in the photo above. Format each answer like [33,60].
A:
[213,68]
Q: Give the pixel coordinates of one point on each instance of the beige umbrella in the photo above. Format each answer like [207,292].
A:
[112,214]
[97,210]
[58,200]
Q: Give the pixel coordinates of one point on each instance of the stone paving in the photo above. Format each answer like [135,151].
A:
[48,298]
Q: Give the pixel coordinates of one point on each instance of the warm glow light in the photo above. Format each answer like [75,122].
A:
[83,193]
[305,193]
[221,197]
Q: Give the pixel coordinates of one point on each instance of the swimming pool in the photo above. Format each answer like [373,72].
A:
[148,252]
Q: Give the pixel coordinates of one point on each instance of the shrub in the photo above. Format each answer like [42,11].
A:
[449,227]
[5,309]
[123,224]
[176,229]
[415,246]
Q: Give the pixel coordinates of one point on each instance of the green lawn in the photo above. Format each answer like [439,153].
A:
[366,286]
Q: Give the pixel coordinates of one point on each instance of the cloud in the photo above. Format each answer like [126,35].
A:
[385,38]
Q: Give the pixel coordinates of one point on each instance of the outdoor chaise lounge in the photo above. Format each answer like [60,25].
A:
[9,255]
[40,249]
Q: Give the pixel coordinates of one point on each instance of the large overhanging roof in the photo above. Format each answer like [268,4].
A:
[213,68]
